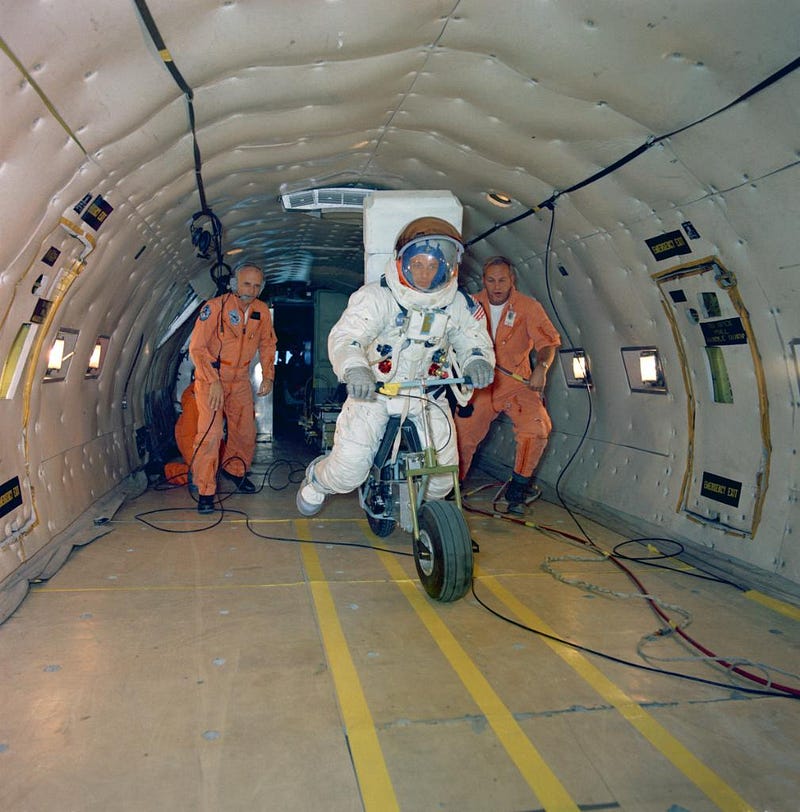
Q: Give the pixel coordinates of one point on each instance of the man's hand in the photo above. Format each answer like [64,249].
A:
[215,397]
[481,372]
[360,383]
[265,388]
[538,378]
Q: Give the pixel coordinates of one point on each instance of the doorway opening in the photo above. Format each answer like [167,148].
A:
[294,327]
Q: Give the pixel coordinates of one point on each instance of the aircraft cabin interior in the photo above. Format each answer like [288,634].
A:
[624,633]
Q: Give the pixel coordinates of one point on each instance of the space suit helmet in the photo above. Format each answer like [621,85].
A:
[428,251]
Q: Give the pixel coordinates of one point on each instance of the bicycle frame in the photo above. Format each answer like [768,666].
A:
[427,464]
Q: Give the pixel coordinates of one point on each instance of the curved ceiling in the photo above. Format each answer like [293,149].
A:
[607,124]
[525,97]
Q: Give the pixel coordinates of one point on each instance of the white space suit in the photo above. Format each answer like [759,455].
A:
[394,331]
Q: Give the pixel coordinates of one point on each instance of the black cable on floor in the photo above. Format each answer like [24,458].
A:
[780,692]
[670,627]
[649,560]
[294,469]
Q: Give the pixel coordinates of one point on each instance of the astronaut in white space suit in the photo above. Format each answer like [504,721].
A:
[408,326]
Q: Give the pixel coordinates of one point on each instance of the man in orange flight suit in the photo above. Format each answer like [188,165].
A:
[520,327]
[186,424]
[227,334]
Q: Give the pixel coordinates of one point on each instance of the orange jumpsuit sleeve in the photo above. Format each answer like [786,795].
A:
[524,326]
[205,346]
[267,343]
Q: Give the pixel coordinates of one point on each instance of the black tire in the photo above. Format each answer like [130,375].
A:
[443,554]
[381,527]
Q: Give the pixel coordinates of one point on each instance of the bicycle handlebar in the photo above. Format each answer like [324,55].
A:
[393,387]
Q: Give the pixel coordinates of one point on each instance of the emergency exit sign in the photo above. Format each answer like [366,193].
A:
[721,489]
[10,496]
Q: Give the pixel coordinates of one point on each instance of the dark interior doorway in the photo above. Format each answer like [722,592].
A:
[294,327]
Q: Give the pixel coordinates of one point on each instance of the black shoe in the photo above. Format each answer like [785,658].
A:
[205,504]
[451,497]
[515,493]
[532,493]
[243,484]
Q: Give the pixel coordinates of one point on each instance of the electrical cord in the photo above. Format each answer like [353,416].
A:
[327,543]
[294,469]
[432,401]
[587,388]
[651,142]
[676,629]
[223,511]
[772,688]
[657,555]
[168,480]
[777,693]
[673,628]
[777,689]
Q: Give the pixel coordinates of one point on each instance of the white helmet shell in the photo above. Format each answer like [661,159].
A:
[425,271]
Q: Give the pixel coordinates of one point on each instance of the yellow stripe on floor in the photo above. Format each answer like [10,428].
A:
[541,779]
[701,776]
[781,607]
[377,792]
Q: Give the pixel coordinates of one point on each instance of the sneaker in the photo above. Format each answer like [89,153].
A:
[243,484]
[205,504]
[309,498]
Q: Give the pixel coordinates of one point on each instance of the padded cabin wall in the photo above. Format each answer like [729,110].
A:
[29,228]
[80,440]
[81,434]
[77,133]
[609,301]
[519,96]
[80,437]
[765,215]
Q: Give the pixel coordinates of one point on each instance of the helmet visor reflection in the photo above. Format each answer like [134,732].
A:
[429,263]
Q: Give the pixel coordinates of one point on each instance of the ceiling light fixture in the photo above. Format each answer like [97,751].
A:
[500,199]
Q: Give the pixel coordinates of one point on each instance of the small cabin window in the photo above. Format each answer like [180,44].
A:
[60,355]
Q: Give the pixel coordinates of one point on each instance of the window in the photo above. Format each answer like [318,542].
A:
[644,370]
[575,366]
[61,352]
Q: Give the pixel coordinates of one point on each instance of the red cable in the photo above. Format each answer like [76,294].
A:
[795,692]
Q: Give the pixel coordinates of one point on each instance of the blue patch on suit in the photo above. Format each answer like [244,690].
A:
[205,313]
[234,317]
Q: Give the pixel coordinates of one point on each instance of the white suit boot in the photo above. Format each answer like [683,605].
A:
[310,496]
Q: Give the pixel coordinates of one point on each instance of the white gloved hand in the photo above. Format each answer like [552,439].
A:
[360,383]
[481,372]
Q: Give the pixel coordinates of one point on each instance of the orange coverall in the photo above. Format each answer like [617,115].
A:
[186,424]
[224,341]
[523,327]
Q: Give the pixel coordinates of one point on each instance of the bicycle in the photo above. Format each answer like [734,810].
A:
[393,494]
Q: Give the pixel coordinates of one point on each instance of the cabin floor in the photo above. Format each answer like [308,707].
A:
[255,660]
